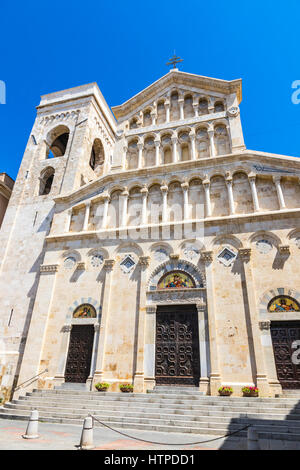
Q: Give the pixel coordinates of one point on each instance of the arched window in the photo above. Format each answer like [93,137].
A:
[176,280]
[97,156]
[221,140]
[46,181]
[283,303]
[58,141]
[147,121]
[203,106]
[85,311]
[219,107]
[133,123]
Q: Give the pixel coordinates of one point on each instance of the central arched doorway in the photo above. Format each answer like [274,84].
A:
[177,345]
[80,351]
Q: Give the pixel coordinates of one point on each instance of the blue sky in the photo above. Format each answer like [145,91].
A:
[123,46]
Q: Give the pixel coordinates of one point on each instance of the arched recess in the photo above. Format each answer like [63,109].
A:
[203,106]
[188,106]
[266,193]
[134,207]
[57,141]
[149,152]
[97,157]
[172,266]
[202,143]
[219,196]
[161,112]
[132,155]
[174,112]
[154,204]
[175,202]
[221,140]
[242,193]
[114,209]
[184,143]
[166,149]
[46,181]
[196,199]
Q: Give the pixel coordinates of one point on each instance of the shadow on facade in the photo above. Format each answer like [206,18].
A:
[273,434]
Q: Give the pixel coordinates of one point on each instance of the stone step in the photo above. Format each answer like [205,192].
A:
[179,424]
[37,401]
[240,403]
[158,397]
[156,414]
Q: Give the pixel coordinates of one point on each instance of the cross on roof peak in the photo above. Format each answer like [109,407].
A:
[174,60]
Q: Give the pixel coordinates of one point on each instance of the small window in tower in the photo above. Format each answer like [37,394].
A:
[46,181]
[97,156]
[57,142]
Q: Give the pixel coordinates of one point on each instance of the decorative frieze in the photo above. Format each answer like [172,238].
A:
[48,268]
[265,325]
[181,296]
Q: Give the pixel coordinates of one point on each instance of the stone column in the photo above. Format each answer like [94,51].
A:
[196,109]
[164,190]
[157,152]
[149,355]
[268,352]
[174,149]
[144,192]
[211,142]
[153,117]
[252,179]
[230,195]
[106,200]
[140,157]
[203,349]
[181,110]
[86,216]
[215,377]
[94,353]
[276,180]
[63,355]
[261,376]
[138,380]
[33,353]
[99,372]
[193,144]
[185,188]
[124,195]
[167,108]
[206,184]
[125,149]
[68,220]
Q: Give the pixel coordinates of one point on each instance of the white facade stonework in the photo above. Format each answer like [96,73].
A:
[167,185]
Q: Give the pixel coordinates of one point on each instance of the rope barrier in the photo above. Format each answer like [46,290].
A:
[169,444]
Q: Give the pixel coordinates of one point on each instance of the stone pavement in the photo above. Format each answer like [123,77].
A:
[67,437]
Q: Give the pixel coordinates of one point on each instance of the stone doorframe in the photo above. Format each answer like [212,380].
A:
[65,339]
[150,337]
[265,319]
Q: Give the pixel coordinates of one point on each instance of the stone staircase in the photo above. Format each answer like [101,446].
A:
[164,409]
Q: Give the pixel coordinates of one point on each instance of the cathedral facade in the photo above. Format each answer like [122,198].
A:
[148,245]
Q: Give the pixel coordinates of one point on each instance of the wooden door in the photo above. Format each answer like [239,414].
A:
[177,345]
[284,334]
[80,353]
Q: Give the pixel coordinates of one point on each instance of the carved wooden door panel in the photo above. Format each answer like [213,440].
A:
[177,346]
[284,334]
[80,353]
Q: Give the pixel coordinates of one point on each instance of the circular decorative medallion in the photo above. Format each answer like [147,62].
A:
[96,260]
[160,255]
[69,262]
[233,111]
[264,246]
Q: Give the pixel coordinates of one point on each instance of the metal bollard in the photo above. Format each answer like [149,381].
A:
[252,441]
[32,426]
[86,441]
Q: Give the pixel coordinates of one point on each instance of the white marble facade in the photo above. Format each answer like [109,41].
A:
[107,202]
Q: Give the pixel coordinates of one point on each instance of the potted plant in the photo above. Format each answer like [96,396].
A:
[126,388]
[225,391]
[102,386]
[250,391]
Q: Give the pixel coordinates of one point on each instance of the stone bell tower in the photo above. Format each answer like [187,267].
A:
[70,145]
